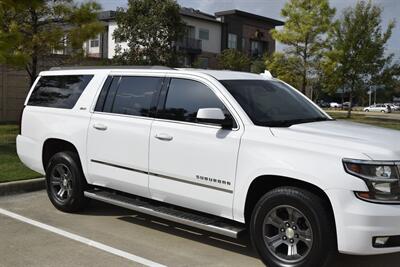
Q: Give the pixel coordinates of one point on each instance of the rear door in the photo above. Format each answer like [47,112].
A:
[118,134]
[193,164]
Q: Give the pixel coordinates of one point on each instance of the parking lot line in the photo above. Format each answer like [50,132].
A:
[81,239]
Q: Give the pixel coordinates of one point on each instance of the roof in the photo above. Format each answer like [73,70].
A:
[124,67]
[249,15]
[227,74]
[184,11]
[217,74]
[195,13]
[106,15]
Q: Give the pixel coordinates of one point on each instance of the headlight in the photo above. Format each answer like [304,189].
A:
[381,177]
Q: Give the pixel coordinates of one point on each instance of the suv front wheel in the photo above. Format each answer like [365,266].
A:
[65,182]
[290,227]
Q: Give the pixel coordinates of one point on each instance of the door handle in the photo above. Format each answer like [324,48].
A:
[164,137]
[100,127]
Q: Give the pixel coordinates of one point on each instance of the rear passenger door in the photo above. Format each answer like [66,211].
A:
[193,164]
[118,134]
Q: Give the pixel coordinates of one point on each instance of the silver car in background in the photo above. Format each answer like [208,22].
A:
[378,108]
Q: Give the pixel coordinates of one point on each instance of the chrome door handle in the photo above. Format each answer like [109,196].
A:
[100,127]
[164,137]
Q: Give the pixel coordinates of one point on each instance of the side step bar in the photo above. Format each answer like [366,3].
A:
[207,223]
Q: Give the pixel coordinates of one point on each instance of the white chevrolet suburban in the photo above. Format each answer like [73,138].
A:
[221,151]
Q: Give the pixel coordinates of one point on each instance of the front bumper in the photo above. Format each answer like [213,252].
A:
[358,221]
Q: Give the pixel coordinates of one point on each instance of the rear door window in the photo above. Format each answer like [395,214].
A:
[59,91]
[129,95]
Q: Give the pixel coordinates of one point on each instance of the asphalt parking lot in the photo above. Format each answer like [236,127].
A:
[103,235]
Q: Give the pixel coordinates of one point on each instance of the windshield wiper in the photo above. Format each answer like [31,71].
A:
[288,123]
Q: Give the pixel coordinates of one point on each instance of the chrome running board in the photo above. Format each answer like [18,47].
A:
[205,222]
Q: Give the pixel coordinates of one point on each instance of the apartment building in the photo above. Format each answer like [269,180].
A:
[205,37]
[247,32]
[202,41]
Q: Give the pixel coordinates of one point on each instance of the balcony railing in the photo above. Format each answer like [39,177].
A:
[190,45]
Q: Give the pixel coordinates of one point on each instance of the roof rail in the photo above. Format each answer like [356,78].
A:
[112,67]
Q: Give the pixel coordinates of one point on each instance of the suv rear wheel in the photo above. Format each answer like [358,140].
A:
[290,227]
[65,182]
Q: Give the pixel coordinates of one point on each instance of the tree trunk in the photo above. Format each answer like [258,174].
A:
[34,63]
[351,101]
[304,83]
[34,68]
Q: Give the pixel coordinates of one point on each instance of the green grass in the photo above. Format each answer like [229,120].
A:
[387,123]
[11,168]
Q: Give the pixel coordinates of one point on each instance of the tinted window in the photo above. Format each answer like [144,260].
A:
[103,94]
[59,91]
[185,97]
[135,94]
[272,103]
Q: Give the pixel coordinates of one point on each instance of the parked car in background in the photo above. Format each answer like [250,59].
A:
[393,106]
[323,104]
[378,108]
[346,105]
[335,105]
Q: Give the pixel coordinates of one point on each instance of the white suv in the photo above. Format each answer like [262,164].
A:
[219,150]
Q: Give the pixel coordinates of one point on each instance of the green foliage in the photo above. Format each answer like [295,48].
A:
[304,34]
[11,168]
[151,28]
[357,58]
[258,66]
[232,59]
[285,67]
[31,29]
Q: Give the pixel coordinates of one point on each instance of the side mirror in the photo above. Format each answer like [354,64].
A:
[214,116]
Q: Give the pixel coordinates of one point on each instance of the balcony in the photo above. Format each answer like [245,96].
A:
[189,45]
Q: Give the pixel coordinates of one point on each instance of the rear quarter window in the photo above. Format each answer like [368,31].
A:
[59,91]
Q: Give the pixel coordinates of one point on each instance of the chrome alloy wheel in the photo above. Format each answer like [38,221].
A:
[61,182]
[287,233]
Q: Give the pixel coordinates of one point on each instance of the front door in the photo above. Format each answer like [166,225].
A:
[118,134]
[192,164]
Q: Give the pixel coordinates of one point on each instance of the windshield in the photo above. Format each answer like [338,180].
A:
[272,103]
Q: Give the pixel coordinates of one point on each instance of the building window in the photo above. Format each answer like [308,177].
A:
[243,44]
[203,62]
[232,41]
[94,43]
[204,34]
[256,48]
[190,31]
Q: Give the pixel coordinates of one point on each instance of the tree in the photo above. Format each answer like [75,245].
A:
[232,59]
[258,65]
[304,34]
[31,29]
[357,58]
[286,68]
[151,28]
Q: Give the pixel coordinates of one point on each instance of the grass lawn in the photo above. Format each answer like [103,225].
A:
[387,123]
[11,168]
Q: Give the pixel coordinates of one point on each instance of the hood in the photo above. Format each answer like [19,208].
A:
[375,142]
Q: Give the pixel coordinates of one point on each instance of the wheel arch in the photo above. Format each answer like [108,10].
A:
[54,145]
[265,183]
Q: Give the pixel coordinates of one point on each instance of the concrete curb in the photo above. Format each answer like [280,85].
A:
[24,186]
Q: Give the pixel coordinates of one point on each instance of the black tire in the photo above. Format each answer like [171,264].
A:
[323,247]
[72,199]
